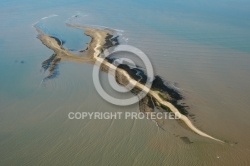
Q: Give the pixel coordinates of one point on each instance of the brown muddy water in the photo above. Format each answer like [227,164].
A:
[204,53]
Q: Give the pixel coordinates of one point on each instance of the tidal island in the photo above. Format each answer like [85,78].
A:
[160,96]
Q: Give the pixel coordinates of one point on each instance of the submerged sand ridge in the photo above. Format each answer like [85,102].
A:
[158,96]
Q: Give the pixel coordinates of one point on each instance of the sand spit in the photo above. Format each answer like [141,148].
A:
[159,95]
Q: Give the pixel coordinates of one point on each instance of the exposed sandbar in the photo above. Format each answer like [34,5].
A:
[102,39]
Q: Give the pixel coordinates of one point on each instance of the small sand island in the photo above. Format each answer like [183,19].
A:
[159,96]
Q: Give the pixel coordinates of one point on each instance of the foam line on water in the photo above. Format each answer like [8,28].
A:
[44,18]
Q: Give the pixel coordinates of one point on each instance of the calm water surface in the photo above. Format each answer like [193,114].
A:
[202,47]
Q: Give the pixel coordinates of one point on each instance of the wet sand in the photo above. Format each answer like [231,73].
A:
[98,43]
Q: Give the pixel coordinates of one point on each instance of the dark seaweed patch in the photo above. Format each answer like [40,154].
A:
[135,73]
[186,140]
[51,64]
[158,84]
[59,42]
[110,41]
[46,64]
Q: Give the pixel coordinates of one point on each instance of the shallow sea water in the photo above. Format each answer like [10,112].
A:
[203,48]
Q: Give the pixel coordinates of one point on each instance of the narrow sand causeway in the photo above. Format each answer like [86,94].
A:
[99,40]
